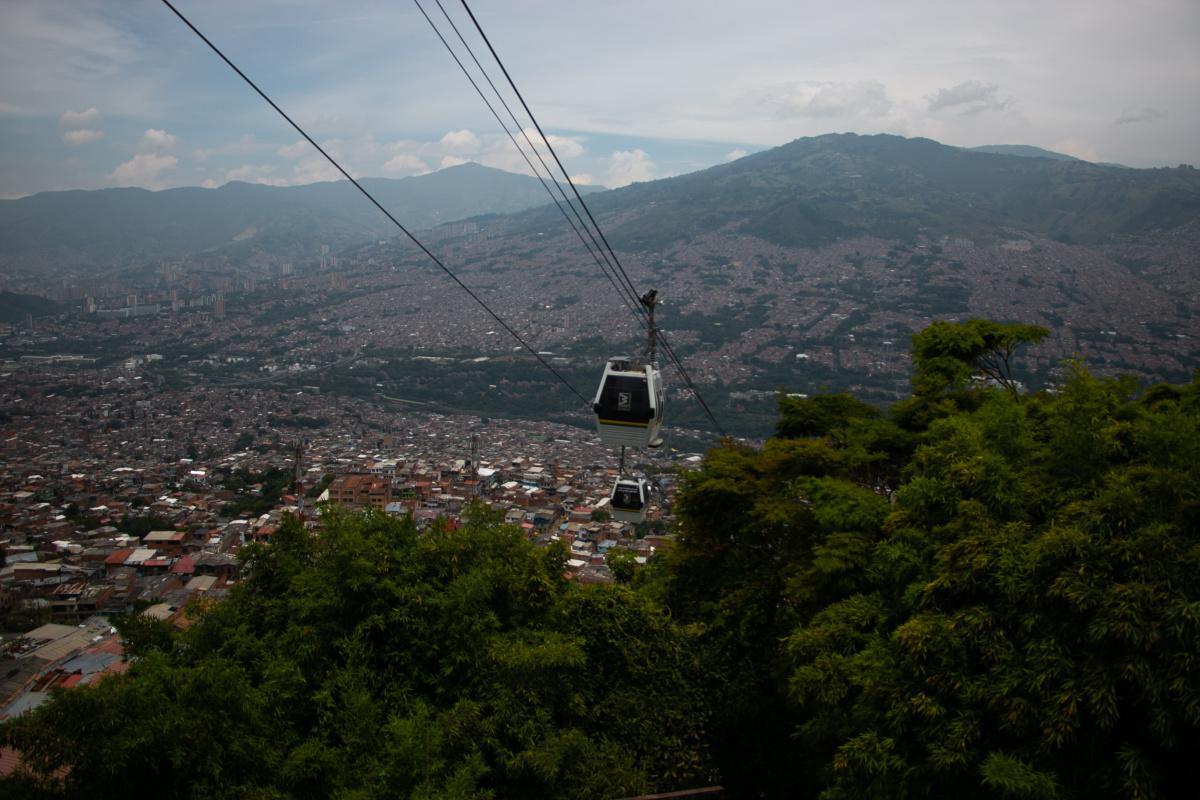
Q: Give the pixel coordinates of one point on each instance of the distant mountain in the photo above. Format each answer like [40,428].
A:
[78,228]
[818,190]
[1023,150]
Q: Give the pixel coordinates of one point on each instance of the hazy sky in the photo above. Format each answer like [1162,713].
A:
[120,93]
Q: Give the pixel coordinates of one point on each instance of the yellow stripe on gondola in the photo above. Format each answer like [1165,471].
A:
[626,424]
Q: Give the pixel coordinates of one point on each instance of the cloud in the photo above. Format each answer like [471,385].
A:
[81,127]
[1078,148]
[461,142]
[90,118]
[407,164]
[583,179]
[255,173]
[565,146]
[244,146]
[295,150]
[314,170]
[1144,115]
[208,183]
[449,161]
[245,172]
[143,170]
[824,99]
[155,139]
[970,97]
[56,55]
[79,137]
[629,166]
[735,154]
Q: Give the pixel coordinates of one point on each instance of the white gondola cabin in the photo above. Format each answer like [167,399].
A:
[629,404]
[628,500]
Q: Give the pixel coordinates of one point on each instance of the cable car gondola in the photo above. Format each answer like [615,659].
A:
[629,500]
[629,404]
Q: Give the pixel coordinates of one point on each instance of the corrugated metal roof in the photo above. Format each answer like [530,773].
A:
[89,662]
[51,632]
[26,702]
[201,583]
[140,555]
[64,646]
[159,611]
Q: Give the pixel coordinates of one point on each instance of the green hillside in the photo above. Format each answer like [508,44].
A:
[821,189]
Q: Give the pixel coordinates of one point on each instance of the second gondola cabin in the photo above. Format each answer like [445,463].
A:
[629,404]
[628,500]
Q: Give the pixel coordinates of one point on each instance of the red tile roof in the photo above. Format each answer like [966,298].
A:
[184,566]
[119,556]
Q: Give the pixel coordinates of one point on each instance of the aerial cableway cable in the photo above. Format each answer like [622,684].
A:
[549,146]
[626,290]
[622,293]
[583,205]
[375,202]
[666,344]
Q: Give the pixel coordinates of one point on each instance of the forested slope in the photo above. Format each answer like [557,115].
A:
[975,593]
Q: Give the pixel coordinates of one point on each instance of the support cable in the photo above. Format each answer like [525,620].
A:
[549,147]
[621,291]
[375,202]
[625,292]
[620,268]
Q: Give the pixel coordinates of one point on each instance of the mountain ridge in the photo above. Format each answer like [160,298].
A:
[104,226]
[1024,150]
[816,190]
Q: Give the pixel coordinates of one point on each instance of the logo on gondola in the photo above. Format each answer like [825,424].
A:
[624,401]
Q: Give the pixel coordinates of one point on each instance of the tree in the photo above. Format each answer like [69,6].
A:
[819,415]
[372,662]
[974,593]
[1018,627]
[621,563]
[948,354]
[1013,621]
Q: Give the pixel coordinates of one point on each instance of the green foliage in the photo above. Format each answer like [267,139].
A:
[948,355]
[320,486]
[274,482]
[622,564]
[369,661]
[818,416]
[975,593]
[1014,778]
[1018,620]
[140,526]
[23,615]
[143,635]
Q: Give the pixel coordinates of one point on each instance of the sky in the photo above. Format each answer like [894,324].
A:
[106,94]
